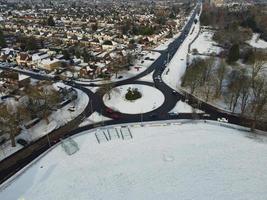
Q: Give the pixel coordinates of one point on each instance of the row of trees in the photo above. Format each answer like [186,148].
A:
[241,88]
[40,101]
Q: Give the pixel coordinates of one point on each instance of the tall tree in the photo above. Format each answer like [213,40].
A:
[2,39]
[51,21]
[233,54]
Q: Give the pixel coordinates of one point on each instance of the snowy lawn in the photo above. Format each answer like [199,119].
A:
[182,107]
[256,42]
[189,161]
[204,43]
[151,99]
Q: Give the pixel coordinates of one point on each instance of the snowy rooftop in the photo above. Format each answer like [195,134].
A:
[179,161]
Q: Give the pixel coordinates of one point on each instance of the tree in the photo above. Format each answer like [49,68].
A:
[259,101]
[50,21]
[233,54]
[31,43]
[257,67]
[66,54]
[11,118]
[43,98]
[193,75]
[94,27]
[234,88]
[2,39]
[220,74]
[106,88]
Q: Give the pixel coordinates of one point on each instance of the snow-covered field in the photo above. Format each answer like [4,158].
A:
[151,99]
[204,43]
[179,161]
[176,68]
[256,42]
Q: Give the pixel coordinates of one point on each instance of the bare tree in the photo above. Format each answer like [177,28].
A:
[259,100]
[220,74]
[43,99]
[11,120]
[257,67]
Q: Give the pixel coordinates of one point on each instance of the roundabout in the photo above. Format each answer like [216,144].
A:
[151,99]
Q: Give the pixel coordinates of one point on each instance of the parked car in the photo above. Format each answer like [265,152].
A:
[154,115]
[115,116]
[71,109]
[174,92]
[109,110]
[92,84]
[222,120]
[173,113]
[22,142]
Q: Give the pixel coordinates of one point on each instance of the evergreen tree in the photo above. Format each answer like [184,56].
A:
[2,39]
[233,54]
[50,21]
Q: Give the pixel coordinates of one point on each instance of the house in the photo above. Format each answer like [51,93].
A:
[14,78]
[24,59]
[50,64]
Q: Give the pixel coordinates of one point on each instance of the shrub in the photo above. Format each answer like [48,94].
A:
[133,94]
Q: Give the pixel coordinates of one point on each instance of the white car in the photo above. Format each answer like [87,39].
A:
[222,120]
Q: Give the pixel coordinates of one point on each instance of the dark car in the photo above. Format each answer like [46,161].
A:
[116,116]
[92,84]
[153,115]
[109,110]
[22,142]
[174,92]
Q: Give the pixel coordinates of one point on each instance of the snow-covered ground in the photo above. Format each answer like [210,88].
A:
[256,42]
[148,78]
[176,68]
[94,118]
[179,161]
[204,43]
[151,99]
[57,119]
[182,107]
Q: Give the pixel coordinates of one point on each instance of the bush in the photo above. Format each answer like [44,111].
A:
[133,94]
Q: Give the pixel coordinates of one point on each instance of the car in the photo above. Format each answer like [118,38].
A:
[22,142]
[115,116]
[222,120]
[71,109]
[173,114]
[120,77]
[92,84]
[174,92]
[206,115]
[109,110]
[154,115]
